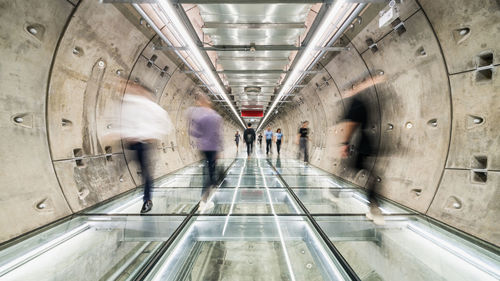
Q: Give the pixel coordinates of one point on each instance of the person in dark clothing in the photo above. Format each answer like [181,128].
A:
[279,138]
[302,139]
[260,140]
[237,138]
[357,118]
[249,137]
[269,139]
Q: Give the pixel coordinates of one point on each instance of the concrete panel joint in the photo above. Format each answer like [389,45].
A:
[152,60]
[398,26]
[372,45]
[484,66]
[78,157]
[479,176]
[109,153]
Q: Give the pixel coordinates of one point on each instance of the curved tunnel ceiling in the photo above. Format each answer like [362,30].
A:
[65,66]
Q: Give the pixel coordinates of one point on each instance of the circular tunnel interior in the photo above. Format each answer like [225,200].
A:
[433,115]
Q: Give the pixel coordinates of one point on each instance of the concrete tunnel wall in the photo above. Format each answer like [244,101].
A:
[62,81]
[435,118]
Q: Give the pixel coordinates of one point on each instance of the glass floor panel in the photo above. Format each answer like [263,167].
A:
[316,181]
[251,181]
[112,247]
[194,170]
[342,201]
[253,201]
[248,248]
[255,231]
[249,170]
[227,161]
[179,181]
[287,164]
[165,201]
[302,171]
[198,167]
[409,248]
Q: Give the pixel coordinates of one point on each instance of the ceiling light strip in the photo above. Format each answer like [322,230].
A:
[170,18]
[334,23]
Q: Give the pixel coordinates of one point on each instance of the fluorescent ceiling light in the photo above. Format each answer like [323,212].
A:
[331,23]
[166,12]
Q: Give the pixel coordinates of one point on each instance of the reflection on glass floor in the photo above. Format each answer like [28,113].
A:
[409,248]
[250,170]
[197,168]
[251,181]
[165,201]
[272,219]
[173,181]
[87,248]
[253,201]
[342,201]
[248,248]
[316,181]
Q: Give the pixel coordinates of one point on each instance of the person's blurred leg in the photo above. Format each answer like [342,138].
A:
[303,148]
[141,150]
[278,146]
[209,179]
[212,157]
[374,212]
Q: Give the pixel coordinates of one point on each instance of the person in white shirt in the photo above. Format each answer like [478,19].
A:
[143,122]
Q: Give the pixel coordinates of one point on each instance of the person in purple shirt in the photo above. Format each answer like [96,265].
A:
[206,129]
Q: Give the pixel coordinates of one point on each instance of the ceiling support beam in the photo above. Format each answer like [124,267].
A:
[253,85]
[291,25]
[264,71]
[252,48]
[230,58]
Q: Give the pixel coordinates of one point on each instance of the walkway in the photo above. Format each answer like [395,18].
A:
[274,219]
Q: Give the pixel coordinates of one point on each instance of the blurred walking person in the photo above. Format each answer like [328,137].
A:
[249,137]
[269,140]
[302,139]
[357,119]
[237,138]
[279,137]
[260,140]
[143,122]
[206,129]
